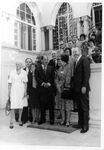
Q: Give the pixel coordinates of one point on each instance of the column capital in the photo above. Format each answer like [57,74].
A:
[42,28]
[82,18]
[50,27]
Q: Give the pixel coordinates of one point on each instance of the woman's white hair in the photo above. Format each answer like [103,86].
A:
[19,61]
[54,52]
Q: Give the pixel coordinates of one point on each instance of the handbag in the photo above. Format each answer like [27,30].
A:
[8,107]
[67,93]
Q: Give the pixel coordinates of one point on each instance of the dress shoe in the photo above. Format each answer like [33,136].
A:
[68,124]
[21,124]
[84,130]
[24,122]
[59,117]
[75,110]
[40,122]
[77,126]
[62,122]
[52,123]
[11,126]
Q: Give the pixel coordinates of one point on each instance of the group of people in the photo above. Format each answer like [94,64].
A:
[92,43]
[39,86]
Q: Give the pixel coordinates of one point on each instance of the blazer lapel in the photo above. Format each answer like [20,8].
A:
[47,69]
[42,70]
[78,63]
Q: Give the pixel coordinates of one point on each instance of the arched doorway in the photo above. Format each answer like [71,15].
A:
[25,28]
[96,23]
[65,27]
[96,15]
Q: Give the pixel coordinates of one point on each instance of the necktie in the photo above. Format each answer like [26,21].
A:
[45,69]
[29,73]
[55,63]
[75,64]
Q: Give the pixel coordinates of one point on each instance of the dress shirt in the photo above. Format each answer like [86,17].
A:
[78,59]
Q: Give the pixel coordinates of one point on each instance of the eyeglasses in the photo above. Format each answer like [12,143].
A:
[28,62]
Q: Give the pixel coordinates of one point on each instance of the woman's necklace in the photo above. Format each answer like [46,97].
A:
[18,72]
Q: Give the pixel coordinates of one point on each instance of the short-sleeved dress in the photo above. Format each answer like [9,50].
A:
[17,89]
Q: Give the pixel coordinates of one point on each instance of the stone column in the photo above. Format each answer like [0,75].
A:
[86,25]
[93,14]
[78,28]
[50,37]
[42,39]
[95,95]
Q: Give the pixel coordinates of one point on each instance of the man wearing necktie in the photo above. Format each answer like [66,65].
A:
[53,61]
[45,85]
[82,88]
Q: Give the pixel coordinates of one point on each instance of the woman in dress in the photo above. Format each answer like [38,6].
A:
[33,100]
[17,91]
[58,94]
[64,75]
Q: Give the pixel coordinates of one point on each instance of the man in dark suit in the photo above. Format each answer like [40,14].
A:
[45,85]
[53,61]
[82,88]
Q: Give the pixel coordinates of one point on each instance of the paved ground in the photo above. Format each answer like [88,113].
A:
[31,136]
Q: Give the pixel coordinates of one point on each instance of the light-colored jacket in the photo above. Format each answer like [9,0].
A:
[63,77]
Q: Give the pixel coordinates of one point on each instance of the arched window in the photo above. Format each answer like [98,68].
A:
[96,15]
[25,28]
[65,27]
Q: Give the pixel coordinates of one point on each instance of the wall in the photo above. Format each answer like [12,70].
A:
[8,57]
[95,94]
[9,18]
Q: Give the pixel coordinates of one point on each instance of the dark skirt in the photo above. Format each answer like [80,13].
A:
[33,98]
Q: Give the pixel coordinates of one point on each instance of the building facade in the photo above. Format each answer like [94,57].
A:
[32,27]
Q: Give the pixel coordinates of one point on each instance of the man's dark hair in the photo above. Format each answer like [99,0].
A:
[65,58]
[67,48]
[83,35]
[27,59]
[40,58]
[91,40]
[93,35]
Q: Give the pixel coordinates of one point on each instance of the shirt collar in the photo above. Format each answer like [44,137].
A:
[78,58]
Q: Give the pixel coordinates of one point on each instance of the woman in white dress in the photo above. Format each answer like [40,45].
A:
[17,91]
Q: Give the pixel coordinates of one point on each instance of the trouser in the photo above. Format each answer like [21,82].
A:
[51,114]
[44,105]
[26,115]
[83,109]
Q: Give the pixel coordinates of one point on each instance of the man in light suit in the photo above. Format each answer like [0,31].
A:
[82,88]
[45,85]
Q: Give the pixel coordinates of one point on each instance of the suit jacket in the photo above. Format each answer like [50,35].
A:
[82,74]
[45,76]
[29,83]
[52,63]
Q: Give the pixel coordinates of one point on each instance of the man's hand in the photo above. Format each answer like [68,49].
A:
[43,84]
[83,90]
[46,85]
[25,95]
